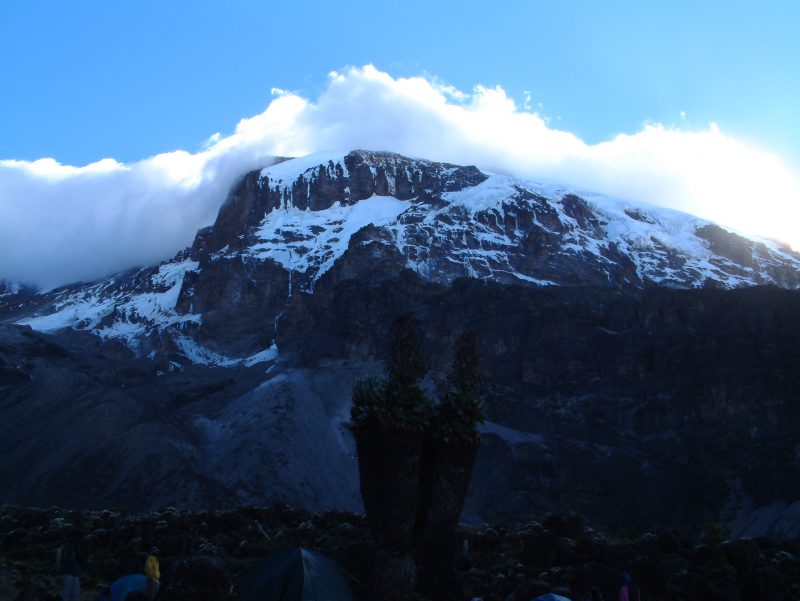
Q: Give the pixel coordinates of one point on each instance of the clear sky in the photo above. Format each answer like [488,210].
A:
[83,80]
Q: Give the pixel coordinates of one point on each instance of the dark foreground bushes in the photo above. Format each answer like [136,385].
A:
[201,553]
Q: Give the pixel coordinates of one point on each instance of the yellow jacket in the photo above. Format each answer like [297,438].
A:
[151,568]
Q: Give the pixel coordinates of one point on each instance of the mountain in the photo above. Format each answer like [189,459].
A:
[637,357]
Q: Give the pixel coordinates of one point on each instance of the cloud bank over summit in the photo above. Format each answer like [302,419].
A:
[60,223]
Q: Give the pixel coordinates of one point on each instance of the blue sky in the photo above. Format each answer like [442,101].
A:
[84,80]
[124,124]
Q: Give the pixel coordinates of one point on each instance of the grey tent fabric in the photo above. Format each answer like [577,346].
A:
[293,575]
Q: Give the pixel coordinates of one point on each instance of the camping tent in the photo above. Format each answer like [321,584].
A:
[293,575]
[124,586]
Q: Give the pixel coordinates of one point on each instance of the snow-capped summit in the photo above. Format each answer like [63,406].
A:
[286,227]
[449,221]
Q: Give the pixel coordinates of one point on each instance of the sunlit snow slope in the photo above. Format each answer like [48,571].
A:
[287,226]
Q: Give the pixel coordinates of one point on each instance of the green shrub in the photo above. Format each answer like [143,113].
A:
[714,534]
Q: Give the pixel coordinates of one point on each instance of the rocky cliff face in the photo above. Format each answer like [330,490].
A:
[630,377]
[659,407]
[283,228]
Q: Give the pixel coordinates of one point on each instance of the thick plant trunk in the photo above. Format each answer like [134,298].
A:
[447,469]
[370,475]
[388,464]
[395,574]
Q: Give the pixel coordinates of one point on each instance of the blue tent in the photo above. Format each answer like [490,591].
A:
[122,587]
[293,575]
[550,597]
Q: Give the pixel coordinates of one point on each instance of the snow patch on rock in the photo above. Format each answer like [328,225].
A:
[134,312]
[201,355]
[307,240]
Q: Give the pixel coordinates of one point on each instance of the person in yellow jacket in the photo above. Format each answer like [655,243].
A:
[153,573]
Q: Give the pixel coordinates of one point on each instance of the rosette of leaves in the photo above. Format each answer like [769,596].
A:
[397,401]
[457,417]
[389,404]
[368,398]
[460,409]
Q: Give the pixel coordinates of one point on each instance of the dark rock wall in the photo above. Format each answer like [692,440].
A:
[653,407]
[366,173]
[239,300]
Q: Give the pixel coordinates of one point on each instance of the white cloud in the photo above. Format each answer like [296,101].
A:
[60,223]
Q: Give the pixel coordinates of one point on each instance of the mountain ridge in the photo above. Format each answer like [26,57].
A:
[625,347]
[291,221]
